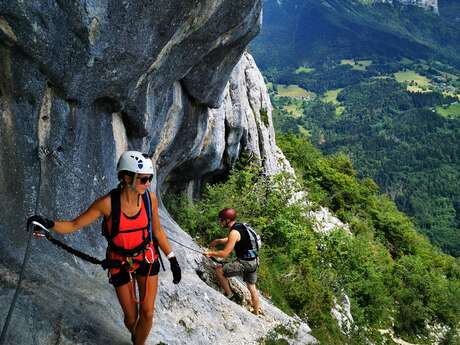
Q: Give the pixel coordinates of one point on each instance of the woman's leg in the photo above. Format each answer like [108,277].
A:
[129,306]
[147,293]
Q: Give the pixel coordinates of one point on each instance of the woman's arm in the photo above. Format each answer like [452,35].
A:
[163,240]
[98,208]
[158,231]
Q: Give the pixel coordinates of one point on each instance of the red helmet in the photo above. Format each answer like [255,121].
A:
[228,214]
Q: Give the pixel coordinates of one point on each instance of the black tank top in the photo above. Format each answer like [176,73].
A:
[244,244]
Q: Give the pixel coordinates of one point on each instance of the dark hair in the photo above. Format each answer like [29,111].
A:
[123,173]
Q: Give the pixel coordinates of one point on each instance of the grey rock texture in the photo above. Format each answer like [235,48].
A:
[430,5]
[81,81]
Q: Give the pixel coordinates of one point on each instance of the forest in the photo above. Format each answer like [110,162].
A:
[397,138]
[393,276]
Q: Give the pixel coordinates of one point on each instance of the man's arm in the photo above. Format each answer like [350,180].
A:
[233,237]
[218,241]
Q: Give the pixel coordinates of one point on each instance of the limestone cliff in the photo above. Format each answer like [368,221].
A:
[430,5]
[81,81]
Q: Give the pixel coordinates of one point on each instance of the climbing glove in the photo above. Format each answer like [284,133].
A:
[175,269]
[46,223]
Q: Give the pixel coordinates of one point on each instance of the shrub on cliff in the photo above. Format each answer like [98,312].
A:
[391,273]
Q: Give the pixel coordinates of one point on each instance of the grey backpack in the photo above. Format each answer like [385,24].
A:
[256,241]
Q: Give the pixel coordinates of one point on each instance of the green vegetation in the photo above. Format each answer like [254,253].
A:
[360,65]
[415,82]
[294,109]
[405,61]
[396,120]
[409,76]
[449,111]
[293,91]
[304,69]
[391,273]
[331,96]
[397,138]
[278,336]
[264,116]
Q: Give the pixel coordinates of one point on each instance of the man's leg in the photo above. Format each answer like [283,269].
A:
[223,281]
[254,297]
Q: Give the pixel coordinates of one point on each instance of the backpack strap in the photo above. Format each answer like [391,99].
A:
[148,208]
[115,216]
[116,210]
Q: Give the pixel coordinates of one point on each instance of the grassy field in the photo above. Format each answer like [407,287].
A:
[448,75]
[294,109]
[330,96]
[405,61]
[415,81]
[293,91]
[452,111]
[305,132]
[304,69]
[359,65]
[339,110]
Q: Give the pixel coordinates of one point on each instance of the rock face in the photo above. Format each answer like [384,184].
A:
[82,81]
[430,5]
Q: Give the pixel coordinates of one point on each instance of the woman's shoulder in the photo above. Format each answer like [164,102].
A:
[104,204]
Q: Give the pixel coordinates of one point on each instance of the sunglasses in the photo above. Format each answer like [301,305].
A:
[145,179]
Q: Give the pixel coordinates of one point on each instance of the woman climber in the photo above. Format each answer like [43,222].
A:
[133,232]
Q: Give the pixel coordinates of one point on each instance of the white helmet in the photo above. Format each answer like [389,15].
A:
[135,162]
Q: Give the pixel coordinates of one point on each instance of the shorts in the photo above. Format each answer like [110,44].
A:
[123,277]
[247,269]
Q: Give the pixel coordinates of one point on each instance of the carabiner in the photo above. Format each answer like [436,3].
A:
[38,233]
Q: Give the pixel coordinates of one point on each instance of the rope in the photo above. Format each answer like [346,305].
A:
[183,245]
[75,252]
[24,262]
[16,293]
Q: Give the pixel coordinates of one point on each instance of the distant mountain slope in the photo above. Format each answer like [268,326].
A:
[450,10]
[297,32]
[380,81]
